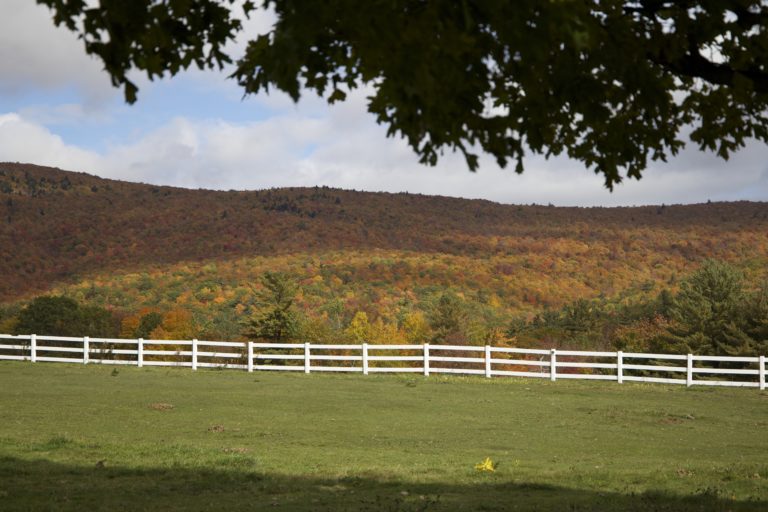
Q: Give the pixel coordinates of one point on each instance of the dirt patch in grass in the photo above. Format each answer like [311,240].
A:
[676,419]
[160,406]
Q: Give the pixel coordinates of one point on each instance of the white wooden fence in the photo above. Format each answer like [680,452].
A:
[424,359]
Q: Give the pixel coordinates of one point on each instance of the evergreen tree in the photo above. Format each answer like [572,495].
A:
[580,316]
[664,302]
[707,312]
[446,318]
[517,325]
[751,338]
[277,320]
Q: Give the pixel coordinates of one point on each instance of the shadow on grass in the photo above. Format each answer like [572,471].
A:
[44,485]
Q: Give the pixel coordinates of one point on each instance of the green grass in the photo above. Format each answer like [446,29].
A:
[90,438]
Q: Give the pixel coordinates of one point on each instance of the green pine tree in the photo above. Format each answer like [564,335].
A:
[277,320]
[446,318]
[708,312]
[752,338]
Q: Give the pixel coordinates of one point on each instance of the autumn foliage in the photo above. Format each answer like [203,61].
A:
[171,263]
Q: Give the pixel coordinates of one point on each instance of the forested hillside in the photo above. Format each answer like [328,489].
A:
[387,261]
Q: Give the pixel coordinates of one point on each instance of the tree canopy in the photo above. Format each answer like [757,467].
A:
[714,314]
[610,83]
[62,316]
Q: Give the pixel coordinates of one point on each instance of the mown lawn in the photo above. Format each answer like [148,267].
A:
[94,438]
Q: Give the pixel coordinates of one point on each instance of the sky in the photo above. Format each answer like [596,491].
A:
[195,130]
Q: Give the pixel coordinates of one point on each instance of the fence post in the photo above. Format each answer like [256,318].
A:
[250,356]
[426,359]
[365,358]
[140,353]
[761,371]
[33,348]
[86,349]
[488,361]
[689,372]
[194,353]
[306,357]
[553,365]
[620,366]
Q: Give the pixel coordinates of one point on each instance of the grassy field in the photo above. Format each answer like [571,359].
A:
[98,438]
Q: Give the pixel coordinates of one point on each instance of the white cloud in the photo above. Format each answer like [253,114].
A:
[66,113]
[24,141]
[37,55]
[345,148]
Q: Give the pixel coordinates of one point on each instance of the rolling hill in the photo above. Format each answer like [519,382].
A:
[129,246]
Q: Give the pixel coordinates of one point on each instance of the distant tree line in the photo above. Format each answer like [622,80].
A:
[62,316]
[713,312]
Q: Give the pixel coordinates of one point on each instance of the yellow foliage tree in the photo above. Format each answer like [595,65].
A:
[359,328]
[382,333]
[177,324]
[130,323]
[416,328]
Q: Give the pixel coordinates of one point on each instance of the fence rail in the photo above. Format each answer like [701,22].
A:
[687,369]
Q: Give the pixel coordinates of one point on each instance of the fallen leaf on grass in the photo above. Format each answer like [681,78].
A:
[486,465]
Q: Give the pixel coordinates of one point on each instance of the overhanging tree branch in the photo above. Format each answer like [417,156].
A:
[609,83]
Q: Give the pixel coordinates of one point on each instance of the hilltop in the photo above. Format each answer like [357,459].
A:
[57,226]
